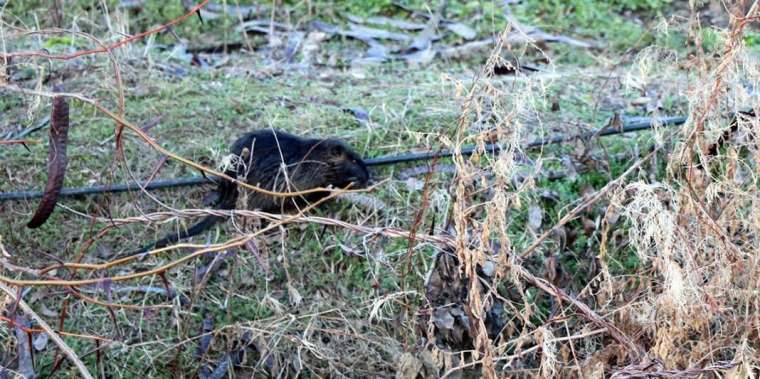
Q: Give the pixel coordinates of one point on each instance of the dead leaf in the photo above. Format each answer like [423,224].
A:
[569,165]
[385,21]
[461,30]
[423,40]
[273,304]
[261,26]
[363,32]
[213,11]
[179,52]
[420,57]
[311,46]
[560,236]
[23,350]
[377,50]
[409,367]
[593,368]
[207,326]
[360,113]
[535,217]
[364,200]
[589,226]
[47,312]
[551,269]
[467,49]
[443,318]
[612,215]
[40,341]
[414,184]
[295,41]
[294,296]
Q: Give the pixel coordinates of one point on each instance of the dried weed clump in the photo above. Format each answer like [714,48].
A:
[690,306]
[697,229]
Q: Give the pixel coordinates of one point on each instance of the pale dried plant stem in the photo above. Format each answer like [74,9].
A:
[50,332]
[522,353]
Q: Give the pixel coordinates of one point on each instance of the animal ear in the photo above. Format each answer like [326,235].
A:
[336,150]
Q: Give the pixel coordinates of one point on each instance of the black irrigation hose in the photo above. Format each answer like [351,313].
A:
[643,124]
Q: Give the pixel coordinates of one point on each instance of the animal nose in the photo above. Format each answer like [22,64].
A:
[360,181]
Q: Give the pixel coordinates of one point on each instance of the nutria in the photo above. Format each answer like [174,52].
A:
[281,162]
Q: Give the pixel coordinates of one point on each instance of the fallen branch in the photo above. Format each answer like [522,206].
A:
[585,310]
[453,52]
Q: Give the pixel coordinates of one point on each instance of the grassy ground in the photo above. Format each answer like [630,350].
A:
[332,301]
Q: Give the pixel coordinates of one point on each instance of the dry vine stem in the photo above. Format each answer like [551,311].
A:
[40,330]
[694,139]
[104,49]
[234,242]
[53,335]
[388,232]
[19,142]
[468,258]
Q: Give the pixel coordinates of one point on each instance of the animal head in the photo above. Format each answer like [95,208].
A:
[344,165]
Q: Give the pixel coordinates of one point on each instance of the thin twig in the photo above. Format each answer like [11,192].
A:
[523,352]
[585,204]
[104,49]
[232,243]
[19,141]
[585,310]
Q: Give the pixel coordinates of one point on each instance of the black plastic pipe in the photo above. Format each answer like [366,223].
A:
[636,126]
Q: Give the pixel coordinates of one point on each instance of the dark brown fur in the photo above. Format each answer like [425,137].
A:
[281,162]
